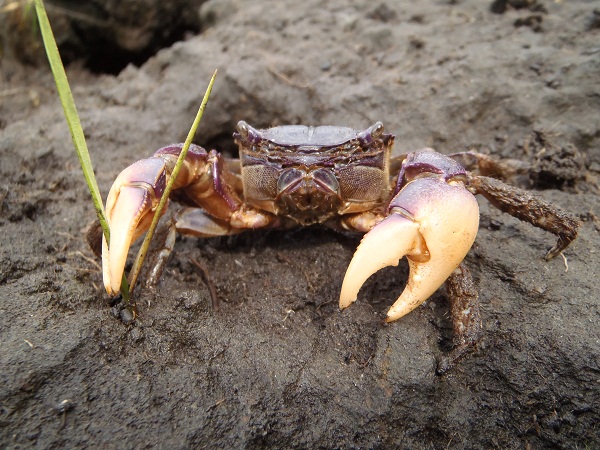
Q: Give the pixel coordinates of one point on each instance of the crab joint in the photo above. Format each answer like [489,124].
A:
[434,224]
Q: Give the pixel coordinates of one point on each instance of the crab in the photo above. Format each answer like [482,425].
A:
[421,205]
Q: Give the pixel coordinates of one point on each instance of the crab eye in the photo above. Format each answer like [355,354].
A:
[367,137]
[243,129]
[247,133]
[376,130]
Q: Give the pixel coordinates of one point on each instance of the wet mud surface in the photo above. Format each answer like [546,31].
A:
[278,365]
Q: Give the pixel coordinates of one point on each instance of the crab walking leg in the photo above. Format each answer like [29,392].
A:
[190,222]
[529,208]
[433,223]
[466,318]
[135,194]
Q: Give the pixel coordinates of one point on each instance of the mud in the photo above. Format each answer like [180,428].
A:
[278,365]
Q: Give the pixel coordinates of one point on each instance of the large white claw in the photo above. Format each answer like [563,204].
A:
[123,220]
[129,210]
[434,225]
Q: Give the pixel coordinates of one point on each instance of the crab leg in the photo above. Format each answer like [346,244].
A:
[434,223]
[465,315]
[135,194]
[529,208]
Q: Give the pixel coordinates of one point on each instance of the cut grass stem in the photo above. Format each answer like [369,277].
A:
[139,260]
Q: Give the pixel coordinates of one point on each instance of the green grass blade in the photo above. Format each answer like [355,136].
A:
[68,104]
[163,200]
[66,98]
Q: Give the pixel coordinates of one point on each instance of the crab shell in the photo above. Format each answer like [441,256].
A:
[314,174]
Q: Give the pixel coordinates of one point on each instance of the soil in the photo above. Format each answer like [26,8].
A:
[278,365]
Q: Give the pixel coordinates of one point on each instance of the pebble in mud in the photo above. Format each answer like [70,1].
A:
[64,406]
[123,314]
[136,335]
[126,316]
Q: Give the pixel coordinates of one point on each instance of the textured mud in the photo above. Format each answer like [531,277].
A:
[278,365]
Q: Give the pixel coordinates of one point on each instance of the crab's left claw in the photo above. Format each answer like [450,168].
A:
[130,207]
[433,223]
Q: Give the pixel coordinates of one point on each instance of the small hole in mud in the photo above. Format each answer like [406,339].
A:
[103,55]
[223,143]
[104,36]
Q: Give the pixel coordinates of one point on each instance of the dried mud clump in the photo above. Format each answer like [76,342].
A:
[554,166]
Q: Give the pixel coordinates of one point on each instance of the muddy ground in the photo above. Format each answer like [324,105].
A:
[279,365]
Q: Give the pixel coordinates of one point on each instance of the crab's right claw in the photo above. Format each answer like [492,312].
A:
[433,223]
[130,207]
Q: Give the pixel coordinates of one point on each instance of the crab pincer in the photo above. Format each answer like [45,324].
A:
[432,220]
[130,207]
[135,194]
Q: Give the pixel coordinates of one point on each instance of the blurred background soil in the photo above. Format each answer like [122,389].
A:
[279,365]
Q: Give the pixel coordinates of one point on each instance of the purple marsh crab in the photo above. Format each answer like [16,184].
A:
[420,205]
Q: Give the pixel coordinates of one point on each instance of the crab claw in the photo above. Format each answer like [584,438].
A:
[130,208]
[433,223]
